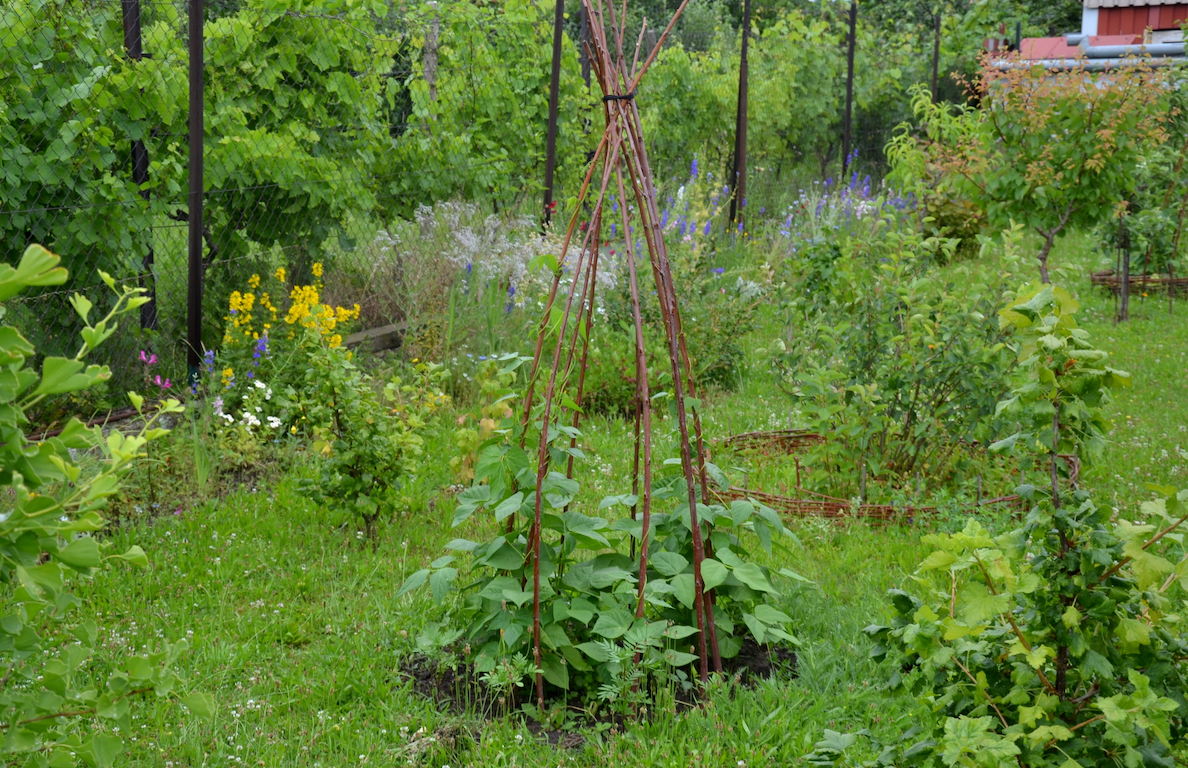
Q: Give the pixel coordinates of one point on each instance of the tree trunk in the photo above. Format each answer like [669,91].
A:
[1049,240]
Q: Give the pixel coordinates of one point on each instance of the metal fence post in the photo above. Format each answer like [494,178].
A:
[848,127]
[739,200]
[554,99]
[936,55]
[133,45]
[194,290]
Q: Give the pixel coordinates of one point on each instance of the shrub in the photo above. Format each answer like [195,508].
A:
[899,365]
[1059,642]
[1003,156]
[366,443]
[51,715]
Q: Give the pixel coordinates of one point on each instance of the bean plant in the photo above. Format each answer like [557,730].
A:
[592,610]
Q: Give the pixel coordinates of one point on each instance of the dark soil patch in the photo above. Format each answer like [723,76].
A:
[756,662]
[453,685]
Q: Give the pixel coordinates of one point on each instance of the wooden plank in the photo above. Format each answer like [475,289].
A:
[1153,17]
[378,339]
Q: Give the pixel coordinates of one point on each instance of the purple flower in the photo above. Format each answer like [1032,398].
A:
[719,270]
[613,229]
[707,229]
[694,168]
[261,348]
[664,219]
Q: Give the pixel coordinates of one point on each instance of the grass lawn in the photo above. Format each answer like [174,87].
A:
[294,627]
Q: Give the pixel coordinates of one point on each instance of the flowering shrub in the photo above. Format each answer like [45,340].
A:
[272,330]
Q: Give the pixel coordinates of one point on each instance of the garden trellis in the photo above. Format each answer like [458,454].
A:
[622,149]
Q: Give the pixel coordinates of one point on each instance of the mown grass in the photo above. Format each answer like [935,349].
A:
[295,629]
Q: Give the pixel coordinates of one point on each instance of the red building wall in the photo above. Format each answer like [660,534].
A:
[1133,21]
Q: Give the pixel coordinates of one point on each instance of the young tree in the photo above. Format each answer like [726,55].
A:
[1052,150]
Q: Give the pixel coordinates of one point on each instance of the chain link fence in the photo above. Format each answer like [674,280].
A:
[324,134]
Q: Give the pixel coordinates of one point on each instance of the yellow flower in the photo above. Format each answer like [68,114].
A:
[293,429]
[228,375]
[335,341]
[317,269]
[254,281]
[279,274]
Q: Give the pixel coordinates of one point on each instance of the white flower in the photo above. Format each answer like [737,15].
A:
[229,418]
[273,422]
[260,385]
[250,419]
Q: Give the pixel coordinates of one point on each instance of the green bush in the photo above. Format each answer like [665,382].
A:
[366,443]
[52,712]
[1059,642]
[899,365]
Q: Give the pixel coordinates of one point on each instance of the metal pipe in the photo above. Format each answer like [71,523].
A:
[1122,51]
[1090,65]
[195,267]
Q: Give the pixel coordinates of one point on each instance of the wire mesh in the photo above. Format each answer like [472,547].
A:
[325,134]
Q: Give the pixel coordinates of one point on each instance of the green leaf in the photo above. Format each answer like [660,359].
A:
[679,631]
[938,559]
[509,506]
[595,651]
[679,658]
[683,588]
[201,704]
[106,750]
[470,500]
[757,627]
[59,375]
[37,267]
[752,575]
[769,615]
[415,581]
[668,563]
[135,555]
[440,581]
[1132,633]
[713,573]
[82,553]
[978,606]
[613,623]
[555,671]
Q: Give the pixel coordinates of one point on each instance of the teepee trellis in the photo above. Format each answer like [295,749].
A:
[620,160]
